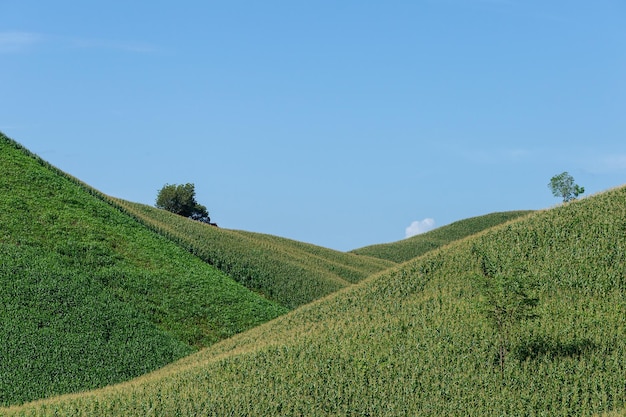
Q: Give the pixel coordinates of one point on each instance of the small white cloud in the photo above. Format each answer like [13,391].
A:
[419,227]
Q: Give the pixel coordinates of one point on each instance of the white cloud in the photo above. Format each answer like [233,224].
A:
[419,227]
[606,164]
[613,163]
[129,46]
[17,41]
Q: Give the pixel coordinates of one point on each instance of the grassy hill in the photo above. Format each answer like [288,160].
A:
[89,296]
[289,272]
[411,340]
[403,250]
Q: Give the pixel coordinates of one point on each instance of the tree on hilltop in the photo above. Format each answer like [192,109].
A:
[181,200]
[563,186]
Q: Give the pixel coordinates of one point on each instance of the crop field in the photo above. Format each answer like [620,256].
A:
[89,296]
[288,272]
[406,249]
[411,340]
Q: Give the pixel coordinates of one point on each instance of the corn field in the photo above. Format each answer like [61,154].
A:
[410,340]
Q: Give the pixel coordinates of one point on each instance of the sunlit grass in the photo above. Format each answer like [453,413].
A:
[289,272]
[411,340]
[89,296]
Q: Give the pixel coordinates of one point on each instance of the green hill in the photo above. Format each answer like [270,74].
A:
[406,249]
[89,296]
[412,341]
[289,272]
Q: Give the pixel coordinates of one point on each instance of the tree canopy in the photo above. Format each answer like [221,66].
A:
[563,186]
[181,199]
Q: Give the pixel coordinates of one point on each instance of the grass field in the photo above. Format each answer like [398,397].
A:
[411,340]
[289,272]
[91,297]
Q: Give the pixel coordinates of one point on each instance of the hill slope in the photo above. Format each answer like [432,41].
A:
[403,250]
[90,297]
[288,272]
[411,340]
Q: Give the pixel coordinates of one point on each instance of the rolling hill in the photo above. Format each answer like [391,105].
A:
[411,339]
[406,249]
[286,271]
[89,296]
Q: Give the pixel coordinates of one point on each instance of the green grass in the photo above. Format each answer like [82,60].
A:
[89,296]
[404,250]
[84,286]
[412,341]
[289,272]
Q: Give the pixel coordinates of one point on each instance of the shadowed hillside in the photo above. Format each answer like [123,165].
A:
[412,340]
[289,272]
[403,250]
[89,296]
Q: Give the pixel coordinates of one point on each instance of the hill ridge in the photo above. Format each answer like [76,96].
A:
[410,341]
[409,248]
[80,282]
[288,272]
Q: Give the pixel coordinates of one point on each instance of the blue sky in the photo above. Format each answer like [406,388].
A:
[338,123]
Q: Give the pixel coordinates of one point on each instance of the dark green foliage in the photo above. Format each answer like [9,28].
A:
[505,301]
[181,199]
[63,331]
[406,249]
[543,347]
[563,186]
[90,297]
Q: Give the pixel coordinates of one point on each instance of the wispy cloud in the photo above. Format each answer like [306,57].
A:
[497,155]
[420,226]
[18,41]
[499,2]
[12,42]
[608,164]
[130,46]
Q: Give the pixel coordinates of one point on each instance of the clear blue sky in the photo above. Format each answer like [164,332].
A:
[338,123]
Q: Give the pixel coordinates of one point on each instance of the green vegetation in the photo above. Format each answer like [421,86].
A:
[409,341]
[288,272]
[90,297]
[406,249]
[506,301]
[181,199]
[563,186]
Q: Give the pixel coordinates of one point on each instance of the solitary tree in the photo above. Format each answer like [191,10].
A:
[562,185]
[505,302]
[181,200]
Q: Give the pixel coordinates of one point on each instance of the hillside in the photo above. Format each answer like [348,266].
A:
[286,271]
[91,297]
[403,250]
[411,340]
